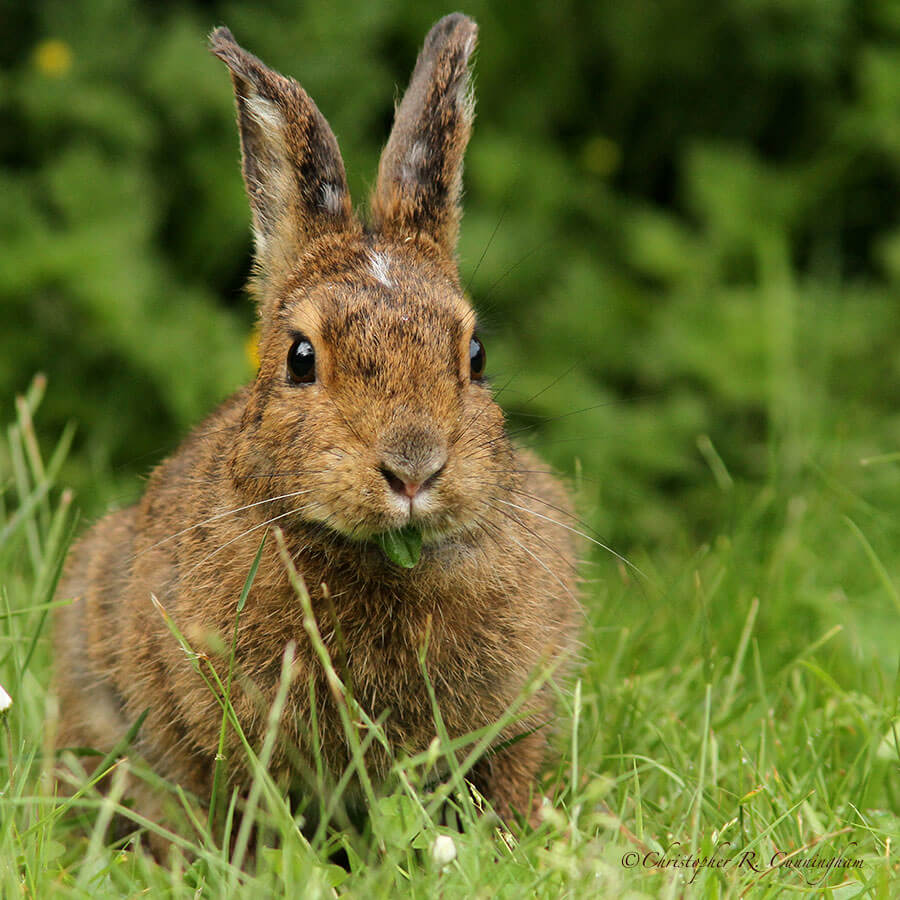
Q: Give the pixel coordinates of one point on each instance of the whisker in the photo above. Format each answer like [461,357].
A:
[536,558]
[166,449]
[606,547]
[552,506]
[484,406]
[552,383]
[543,443]
[475,435]
[508,434]
[288,474]
[208,556]
[521,260]
[556,418]
[537,536]
[543,502]
[549,472]
[487,246]
[214,518]
[573,440]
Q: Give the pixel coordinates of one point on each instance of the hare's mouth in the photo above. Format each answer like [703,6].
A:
[403,546]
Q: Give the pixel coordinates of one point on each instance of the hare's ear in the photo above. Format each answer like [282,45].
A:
[420,175]
[292,166]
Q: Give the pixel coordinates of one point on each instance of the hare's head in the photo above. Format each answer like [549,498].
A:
[369,398]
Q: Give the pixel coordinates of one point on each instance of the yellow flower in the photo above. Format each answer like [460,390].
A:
[251,348]
[53,57]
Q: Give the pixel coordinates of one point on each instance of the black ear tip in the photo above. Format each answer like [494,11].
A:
[242,64]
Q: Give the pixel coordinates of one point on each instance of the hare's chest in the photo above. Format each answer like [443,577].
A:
[407,671]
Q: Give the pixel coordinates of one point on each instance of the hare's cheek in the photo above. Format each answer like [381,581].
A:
[250,457]
[287,426]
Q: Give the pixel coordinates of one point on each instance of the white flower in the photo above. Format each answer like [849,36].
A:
[5,701]
[443,850]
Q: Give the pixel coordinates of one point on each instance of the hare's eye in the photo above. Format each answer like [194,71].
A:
[301,361]
[477,358]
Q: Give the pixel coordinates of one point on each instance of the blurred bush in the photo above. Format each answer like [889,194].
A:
[682,222]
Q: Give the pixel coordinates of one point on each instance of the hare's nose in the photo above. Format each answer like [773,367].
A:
[407,481]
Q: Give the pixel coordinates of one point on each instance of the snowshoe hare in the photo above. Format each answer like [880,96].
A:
[372,441]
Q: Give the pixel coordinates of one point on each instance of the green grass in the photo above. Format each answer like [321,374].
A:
[735,701]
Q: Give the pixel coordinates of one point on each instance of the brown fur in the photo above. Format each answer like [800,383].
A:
[494,588]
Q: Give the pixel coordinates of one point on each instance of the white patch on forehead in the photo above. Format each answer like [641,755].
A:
[332,198]
[378,266]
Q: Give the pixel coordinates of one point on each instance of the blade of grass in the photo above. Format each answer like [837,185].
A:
[265,756]
[220,754]
[440,727]
[108,804]
[739,657]
[32,453]
[22,482]
[24,513]
[51,568]
[537,680]
[103,768]
[343,701]
[213,682]
[701,775]
[877,564]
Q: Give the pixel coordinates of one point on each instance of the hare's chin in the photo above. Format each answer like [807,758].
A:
[431,531]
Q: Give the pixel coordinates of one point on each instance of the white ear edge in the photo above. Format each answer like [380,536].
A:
[465,99]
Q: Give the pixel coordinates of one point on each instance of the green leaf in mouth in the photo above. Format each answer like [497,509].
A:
[402,547]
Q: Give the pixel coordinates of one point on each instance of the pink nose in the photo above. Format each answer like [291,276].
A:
[400,485]
[407,484]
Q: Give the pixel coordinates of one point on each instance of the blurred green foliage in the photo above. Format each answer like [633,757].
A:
[681,230]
